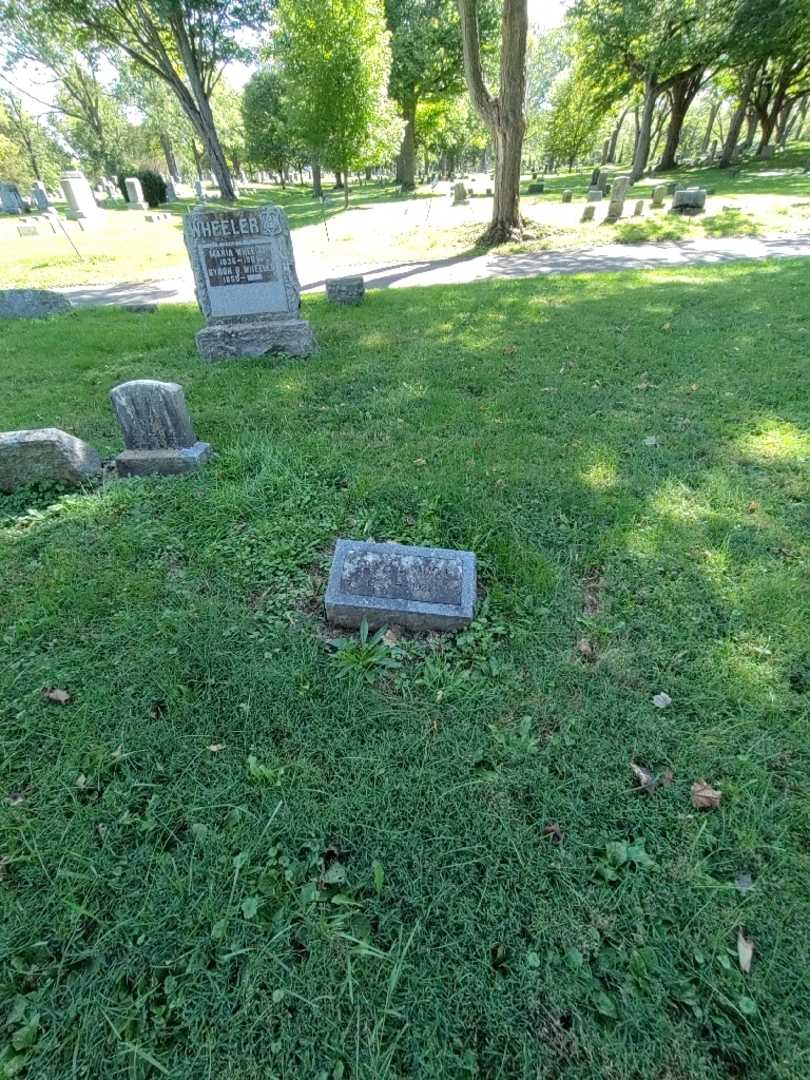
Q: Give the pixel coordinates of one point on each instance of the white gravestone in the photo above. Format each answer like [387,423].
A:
[246,284]
[81,204]
[135,199]
[39,195]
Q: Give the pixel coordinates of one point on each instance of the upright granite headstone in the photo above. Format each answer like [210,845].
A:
[81,204]
[39,196]
[422,588]
[689,200]
[459,194]
[658,196]
[158,433]
[45,454]
[31,303]
[587,213]
[11,201]
[596,177]
[618,194]
[135,199]
[567,195]
[638,209]
[246,284]
[199,189]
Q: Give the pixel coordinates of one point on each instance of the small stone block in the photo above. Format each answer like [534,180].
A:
[27,230]
[165,462]
[418,587]
[346,290]
[594,194]
[153,415]
[567,195]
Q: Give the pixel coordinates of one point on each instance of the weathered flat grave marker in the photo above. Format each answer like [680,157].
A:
[32,303]
[422,588]
[346,290]
[45,454]
[247,287]
[158,433]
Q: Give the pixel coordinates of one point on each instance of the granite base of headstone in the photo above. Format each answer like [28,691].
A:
[418,587]
[158,433]
[587,213]
[346,290]
[32,303]
[246,283]
[45,455]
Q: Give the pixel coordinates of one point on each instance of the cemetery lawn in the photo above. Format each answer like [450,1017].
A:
[237,851]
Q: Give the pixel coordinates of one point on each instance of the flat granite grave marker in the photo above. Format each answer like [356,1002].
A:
[158,433]
[32,303]
[689,201]
[346,290]
[594,194]
[247,287]
[418,587]
[45,454]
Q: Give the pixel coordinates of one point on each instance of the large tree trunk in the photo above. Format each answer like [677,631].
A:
[504,114]
[682,94]
[406,159]
[738,118]
[751,120]
[642,153]
[317,189]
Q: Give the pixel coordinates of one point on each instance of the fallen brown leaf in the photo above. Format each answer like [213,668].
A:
[753,506]
[646,781]
[392,635]
[553,832]
[59,697]
[745,951]
[705,797]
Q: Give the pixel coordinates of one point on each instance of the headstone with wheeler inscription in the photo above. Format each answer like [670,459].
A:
[247,287]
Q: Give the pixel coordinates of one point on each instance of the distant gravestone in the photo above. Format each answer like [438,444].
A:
[346,290]
[689,201]
[587,213]
[31,303]
[135,199]
[658,196]
[81,204]
[171,190]
[39,196]
[27,230]
[594,194]
[618,194]
[199,189]
[246,283]
[421,588]
[567,195]
[11,201]
[158,434]
[459,194]
[537,188]
[45,455]
[638,209]
[596,177]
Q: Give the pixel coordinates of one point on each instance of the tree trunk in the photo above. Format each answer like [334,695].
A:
[783,123]
[682,94]
[339,180]
[317,189]
[614,137]
[504,114]
[642,153]
[168,154]
[752,121]
[406,159]
[768,125]
[737,119]
[197,158]
[346,188]
[707,135]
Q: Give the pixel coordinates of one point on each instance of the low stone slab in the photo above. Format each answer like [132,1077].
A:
[346,290]
[418,587]
[32,303]
[167,462]
[27,230]
[45,455]
[230,341]
[689,200]
[594,194]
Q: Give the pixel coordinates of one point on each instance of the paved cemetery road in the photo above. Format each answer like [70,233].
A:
[462,269]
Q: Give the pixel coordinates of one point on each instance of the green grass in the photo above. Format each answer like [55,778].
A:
[239,852]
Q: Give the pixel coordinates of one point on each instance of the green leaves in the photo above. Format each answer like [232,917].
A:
[620,857]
